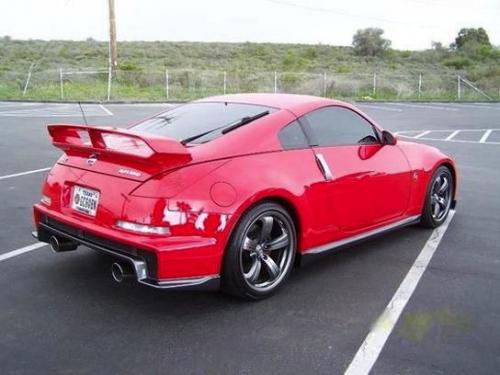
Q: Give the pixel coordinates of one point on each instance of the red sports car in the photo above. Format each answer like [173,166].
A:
[232,191]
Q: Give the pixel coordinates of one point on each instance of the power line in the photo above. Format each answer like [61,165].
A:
[448,5]
[342,12]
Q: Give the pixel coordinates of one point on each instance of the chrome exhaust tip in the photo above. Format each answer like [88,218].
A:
[54,244]
[60,244]
[121,272]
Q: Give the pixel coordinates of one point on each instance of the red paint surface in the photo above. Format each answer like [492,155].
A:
[201,191]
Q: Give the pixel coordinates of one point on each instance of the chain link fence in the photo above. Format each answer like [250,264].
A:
[186,84]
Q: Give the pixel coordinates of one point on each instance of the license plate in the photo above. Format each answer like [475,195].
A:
[85,200]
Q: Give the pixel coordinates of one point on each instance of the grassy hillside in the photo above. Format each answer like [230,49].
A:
[249,67]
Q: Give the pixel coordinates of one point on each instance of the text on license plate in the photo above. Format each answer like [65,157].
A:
[85,200]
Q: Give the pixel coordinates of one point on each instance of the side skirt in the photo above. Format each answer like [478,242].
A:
[346,242]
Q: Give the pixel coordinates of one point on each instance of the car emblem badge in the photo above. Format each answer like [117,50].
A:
[129,172]
[92,160]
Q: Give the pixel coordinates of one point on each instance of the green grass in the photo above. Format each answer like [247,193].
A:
[196,70]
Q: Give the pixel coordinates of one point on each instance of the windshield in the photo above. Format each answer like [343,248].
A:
[192,119]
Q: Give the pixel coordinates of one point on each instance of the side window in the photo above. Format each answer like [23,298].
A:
[292,136]
[335,126]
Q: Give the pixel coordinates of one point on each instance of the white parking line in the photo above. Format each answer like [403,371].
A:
[425,106]
[383,108]
[422,134]
[485,136]
[451,140]
[56,110]
[474,105]
[452,135]
[24,173]
[373,344]
[443,130]
[458,141]
[22,250]
[17,104]
[429,135]
[149,105]
[106,110]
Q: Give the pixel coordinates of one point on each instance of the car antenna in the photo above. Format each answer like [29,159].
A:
[83,113]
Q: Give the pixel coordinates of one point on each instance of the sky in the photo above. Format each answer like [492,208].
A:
[409,24]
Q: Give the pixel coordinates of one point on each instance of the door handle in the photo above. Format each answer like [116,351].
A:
[323,166]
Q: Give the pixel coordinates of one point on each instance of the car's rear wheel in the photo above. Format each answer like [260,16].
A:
[260,253]
[439,197]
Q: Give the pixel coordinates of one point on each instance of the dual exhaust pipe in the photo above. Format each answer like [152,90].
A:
[60,244]
[119,271]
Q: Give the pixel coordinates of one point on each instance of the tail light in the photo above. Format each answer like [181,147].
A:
[142,228]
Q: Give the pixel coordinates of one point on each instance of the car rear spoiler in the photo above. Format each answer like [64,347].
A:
[82,139]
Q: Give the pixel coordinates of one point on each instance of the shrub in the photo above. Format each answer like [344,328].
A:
[131,67]
[369,42]
[343,69]
[457,62]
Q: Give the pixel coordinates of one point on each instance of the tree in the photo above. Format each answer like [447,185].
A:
[437,46]
[369,42]
[471,36]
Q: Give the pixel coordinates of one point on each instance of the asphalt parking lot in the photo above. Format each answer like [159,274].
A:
[63,313]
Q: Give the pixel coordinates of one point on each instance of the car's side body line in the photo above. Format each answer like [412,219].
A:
[350,240]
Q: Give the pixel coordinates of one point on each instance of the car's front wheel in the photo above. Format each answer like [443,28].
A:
[438,200]
[260,253]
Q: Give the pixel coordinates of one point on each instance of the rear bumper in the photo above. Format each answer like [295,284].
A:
[144,262]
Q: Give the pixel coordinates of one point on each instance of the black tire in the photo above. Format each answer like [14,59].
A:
[249,244]
[438,203]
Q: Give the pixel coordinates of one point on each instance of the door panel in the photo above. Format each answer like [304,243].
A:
[370,184]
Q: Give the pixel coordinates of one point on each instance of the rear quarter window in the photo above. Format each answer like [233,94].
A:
[292,137]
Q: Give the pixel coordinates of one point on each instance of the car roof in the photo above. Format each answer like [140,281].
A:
[290,102]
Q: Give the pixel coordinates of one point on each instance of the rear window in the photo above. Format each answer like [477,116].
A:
[192,119]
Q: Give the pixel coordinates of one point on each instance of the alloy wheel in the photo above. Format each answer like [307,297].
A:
[266,251]
[441,196]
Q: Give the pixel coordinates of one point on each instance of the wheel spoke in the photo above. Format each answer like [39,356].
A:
[278,243]
[434,200]
[444,185]
[253,274]
[249,244]
[436,185]
[267,227]
[272,268]
[441,202]
[436,209]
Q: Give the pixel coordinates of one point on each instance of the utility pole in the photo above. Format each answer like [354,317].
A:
[112,35]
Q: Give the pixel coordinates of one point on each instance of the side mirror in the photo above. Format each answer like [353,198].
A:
[388,138]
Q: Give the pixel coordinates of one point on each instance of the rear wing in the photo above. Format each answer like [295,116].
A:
[81,139]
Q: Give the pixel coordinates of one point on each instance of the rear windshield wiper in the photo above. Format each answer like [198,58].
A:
[244,121]
[191,139]
[227,128]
